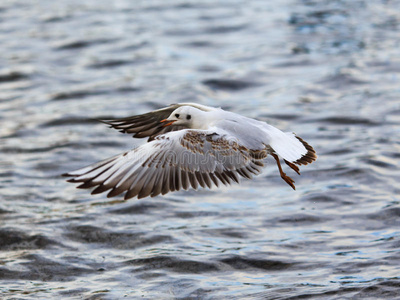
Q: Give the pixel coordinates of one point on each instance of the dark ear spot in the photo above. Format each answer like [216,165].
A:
[177,115]
[188,117]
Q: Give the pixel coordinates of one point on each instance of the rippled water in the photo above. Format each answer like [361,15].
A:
[328,70]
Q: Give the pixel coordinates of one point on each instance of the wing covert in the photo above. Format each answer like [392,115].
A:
[171,162]
[148,124]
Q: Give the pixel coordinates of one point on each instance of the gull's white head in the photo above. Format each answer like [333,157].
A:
[187,116]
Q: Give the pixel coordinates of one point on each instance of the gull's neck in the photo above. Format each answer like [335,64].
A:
[205,119]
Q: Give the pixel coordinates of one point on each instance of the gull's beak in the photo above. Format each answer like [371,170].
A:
[168,124]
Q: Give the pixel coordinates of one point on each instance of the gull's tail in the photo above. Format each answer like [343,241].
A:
[294,151]
[310,155]
[292,148]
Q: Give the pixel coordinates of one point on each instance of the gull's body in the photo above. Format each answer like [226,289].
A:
[191,145]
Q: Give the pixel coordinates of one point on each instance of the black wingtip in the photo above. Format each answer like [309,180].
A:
[104,121]
[72,180]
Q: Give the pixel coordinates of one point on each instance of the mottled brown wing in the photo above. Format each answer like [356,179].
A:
[172,162]
[146,125]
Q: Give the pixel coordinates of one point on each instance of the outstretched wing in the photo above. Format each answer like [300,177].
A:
[173,161]
[148,125]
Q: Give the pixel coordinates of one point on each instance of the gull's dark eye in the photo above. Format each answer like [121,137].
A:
[188,117]
[177,115]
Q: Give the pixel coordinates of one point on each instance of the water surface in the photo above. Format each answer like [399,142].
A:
[328,70]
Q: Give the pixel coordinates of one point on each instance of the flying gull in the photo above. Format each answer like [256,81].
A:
[191,145]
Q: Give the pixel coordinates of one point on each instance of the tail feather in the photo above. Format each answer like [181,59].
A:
[309,157]
[293,148]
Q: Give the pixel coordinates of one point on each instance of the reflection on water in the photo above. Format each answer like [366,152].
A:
[327,70]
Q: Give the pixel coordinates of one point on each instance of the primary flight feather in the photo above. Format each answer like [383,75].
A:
[191,145]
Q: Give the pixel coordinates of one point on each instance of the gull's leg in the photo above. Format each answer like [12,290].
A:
[288,180]
[293,166]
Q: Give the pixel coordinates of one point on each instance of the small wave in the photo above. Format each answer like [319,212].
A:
[286,117]
[228,84]
[240,262]
[79,44]
[200,44]
[225,29]
[115,239]
[303,219]
[344,120]
[139,208]
[36,149]
[37,267]
[13,76]
[68,121]
[78,94]
[17,240]
[91,91]
[344,77]
[194,214]
[111,63]
[173,264]
[388,215]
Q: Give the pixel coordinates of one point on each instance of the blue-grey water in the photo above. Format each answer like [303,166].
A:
[328,70]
